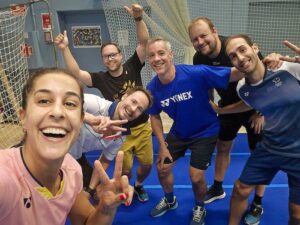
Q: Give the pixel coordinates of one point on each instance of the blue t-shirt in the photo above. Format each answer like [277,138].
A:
[186,100]
[277,97]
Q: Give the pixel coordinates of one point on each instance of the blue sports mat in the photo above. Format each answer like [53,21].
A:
[275,201]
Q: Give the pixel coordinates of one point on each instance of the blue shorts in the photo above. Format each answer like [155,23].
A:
[262,166]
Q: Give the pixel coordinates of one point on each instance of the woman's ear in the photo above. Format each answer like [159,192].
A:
[22,117]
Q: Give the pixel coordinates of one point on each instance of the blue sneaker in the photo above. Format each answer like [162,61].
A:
[199,214]
[163,206]
[141,193]
[253,215]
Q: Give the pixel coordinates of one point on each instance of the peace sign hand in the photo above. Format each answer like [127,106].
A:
[296,49]
[113,192]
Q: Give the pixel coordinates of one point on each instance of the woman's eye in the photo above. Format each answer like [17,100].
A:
[43,101]
[71,104]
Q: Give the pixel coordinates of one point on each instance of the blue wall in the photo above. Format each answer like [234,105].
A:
[65,14]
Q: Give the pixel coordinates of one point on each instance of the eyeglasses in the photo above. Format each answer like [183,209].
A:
[110,56]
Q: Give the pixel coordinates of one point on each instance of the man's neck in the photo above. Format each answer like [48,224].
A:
[116,73]
[169,76]
[257,75]
[217,50]
[115,116]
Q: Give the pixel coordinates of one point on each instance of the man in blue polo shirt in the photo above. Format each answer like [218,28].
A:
[276,94]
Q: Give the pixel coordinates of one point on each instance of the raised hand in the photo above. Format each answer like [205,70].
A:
[135,10]
[104,125]
[113,192]
[61,40]
[294,48]
[273,61]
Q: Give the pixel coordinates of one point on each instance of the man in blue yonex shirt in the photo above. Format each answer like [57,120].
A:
[181,91]
[276,94]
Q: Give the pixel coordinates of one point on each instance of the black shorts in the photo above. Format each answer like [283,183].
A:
[201,150]
[230,124]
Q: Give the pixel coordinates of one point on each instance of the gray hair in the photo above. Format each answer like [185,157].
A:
[156,39]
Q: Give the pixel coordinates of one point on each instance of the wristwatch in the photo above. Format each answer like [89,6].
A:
[138,18]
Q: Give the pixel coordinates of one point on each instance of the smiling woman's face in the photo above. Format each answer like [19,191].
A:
[52,117]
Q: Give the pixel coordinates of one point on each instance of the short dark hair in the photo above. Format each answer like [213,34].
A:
[243,36]
[32,78]
[141,89]
[110,43]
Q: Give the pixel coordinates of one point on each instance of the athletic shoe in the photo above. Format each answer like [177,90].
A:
[213,194]
[254,214]
[141,193]
[163,206]
[199,214]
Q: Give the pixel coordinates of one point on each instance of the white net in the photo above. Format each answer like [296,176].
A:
[13,74]
[267,22]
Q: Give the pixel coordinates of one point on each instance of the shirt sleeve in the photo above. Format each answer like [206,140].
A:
[154,110]
[292,68]
[238,87]
[135,61]
[9,193]
[216,76]
[96,105]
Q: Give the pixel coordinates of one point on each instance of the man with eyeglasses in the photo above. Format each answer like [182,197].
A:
[113,83]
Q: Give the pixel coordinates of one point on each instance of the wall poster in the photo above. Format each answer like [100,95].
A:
[86,36]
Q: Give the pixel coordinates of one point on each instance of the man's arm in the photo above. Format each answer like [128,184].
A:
[237,107]
[256,120]
[157,128]
[62,42]
[235,75]
[136,11]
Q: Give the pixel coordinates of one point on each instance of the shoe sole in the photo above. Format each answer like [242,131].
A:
[262,212]
[215,198]
[138,196]
[162,213]
[252,223]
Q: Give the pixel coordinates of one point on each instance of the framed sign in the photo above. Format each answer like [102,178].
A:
[86,36]
[46,21]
